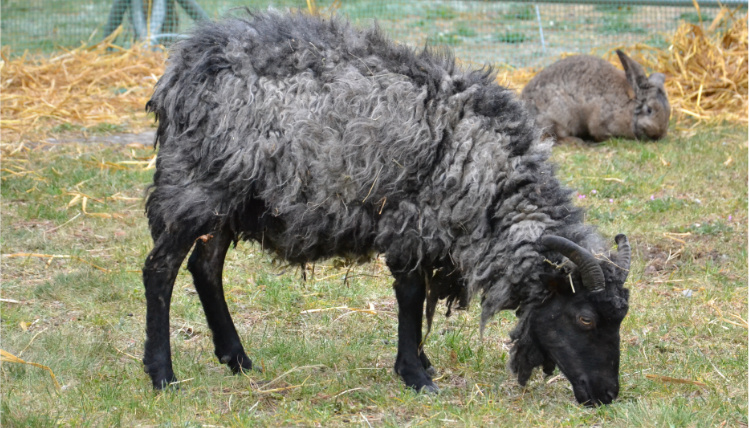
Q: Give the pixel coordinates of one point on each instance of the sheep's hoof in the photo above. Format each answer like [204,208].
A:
[238,363]
[424,385]
[165,383]
[430,389]
[162,375]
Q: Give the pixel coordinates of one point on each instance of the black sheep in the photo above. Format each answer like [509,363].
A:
[316,140]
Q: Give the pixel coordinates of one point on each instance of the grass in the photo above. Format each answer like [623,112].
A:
[522,12]
[681,201]
[100,128]
[511,37]
[695,18]
[441,12]
[617,19]
[45,26]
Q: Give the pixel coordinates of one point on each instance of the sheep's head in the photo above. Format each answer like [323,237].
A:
[576,327]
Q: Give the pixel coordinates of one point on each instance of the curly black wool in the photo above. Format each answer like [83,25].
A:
[317,140]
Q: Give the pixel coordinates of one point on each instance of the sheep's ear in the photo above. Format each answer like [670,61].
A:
[557,283]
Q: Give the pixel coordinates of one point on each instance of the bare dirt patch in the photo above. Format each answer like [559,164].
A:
[659,259]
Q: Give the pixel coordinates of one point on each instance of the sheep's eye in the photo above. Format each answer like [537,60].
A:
[585,321]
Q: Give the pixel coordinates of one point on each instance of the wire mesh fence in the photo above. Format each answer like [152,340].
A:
[515,33]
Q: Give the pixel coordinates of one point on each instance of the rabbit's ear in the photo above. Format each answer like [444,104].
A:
[635,74]
[657,79]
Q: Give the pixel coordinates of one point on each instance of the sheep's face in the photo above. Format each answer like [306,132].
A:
[579,333]
[576,327]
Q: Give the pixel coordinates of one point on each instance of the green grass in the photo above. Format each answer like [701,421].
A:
[613,8]
[441,12]
[681,201]
[66,127]
[511,37]
[100,128]
[619,24]
[657,41]
[522,12]
[695,18]
[445,39]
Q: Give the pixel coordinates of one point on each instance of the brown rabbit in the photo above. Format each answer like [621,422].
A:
[588,98]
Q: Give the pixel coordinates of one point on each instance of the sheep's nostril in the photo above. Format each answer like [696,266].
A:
[609,396]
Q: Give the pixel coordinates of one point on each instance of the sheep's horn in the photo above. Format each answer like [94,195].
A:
[624,252]
[590,270]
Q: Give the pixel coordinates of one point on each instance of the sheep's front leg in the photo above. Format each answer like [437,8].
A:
[206,265]
[427,364]
[410,363]
[159,272]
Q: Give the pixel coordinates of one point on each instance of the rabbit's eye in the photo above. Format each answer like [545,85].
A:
[646,109]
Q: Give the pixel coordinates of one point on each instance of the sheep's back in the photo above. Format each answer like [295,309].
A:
[341,141]
[327,147]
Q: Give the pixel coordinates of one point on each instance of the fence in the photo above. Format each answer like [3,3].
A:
[517,33]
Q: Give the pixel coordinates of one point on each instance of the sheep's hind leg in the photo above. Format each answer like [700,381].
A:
[410,364]
[159,272]
[206,265]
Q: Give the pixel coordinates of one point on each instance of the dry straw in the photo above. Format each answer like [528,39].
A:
[705,65]
[82,88]
[7,357]
[706,69]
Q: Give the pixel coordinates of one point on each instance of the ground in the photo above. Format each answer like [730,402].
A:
[74,238]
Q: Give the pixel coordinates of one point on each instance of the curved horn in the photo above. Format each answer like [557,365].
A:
[624,252]
[590,270]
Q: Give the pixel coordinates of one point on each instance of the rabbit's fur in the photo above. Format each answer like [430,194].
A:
[586,97]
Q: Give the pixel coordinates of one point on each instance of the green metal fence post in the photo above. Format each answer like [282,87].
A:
[193,10]
[158,14]
[138,19]
[114,20]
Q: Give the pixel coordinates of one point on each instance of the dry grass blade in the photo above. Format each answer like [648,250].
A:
[127,354]
[7,357]
[51,257]
[674,380]
[295,369]
[370,310]
[310,311]
[283,388]
[347,391]
[741,321]
[314,9]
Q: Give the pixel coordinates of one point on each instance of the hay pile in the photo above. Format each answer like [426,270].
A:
[77,90]
[706,69]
